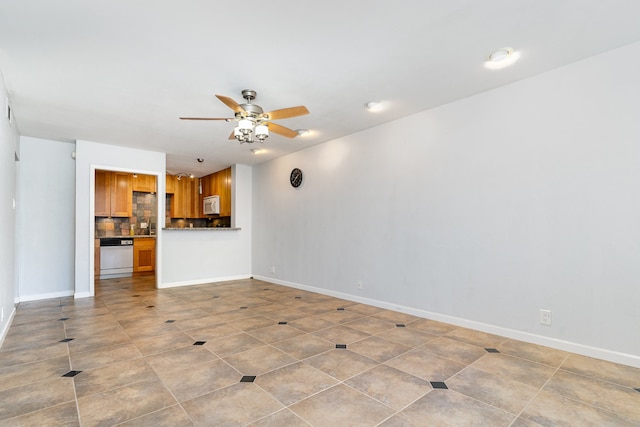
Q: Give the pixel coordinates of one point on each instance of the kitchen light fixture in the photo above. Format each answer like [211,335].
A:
[374,106]
[502,58]
[179,175]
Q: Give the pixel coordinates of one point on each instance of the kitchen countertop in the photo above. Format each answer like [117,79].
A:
[203,229]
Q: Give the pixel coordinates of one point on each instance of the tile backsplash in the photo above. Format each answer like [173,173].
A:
[144,209]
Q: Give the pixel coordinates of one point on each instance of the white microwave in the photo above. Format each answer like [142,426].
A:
[211,205]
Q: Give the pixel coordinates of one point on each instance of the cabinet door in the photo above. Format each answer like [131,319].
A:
[178,204]
[96,257]
[170,183]
[121,194]
[192,198]
[144,255]
[144,183]
[103,193]
[225,192]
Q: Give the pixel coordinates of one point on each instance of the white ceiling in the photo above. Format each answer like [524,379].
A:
[122,72]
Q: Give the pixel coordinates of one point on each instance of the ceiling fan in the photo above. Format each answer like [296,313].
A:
[253,121]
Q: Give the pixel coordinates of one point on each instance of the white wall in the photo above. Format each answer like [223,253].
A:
[9,143]
[89,157]
[47,219]
[202,256]
[480,212]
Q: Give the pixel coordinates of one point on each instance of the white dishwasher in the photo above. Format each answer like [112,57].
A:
[116,257]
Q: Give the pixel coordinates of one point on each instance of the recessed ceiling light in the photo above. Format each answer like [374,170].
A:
[303,132]
[374,106]
[502,58]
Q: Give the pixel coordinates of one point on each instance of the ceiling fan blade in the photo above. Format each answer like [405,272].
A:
[230,103]
[205,118]
[281,130]
[232,136]
[285,113]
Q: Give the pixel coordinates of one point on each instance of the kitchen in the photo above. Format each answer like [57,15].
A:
[126,221]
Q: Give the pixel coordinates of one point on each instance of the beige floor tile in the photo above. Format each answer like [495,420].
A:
[518,369]
[304,346]
[279,419]
[341,334]
[454,350]
[212,332]
[193,381]
[274,333]
[425,365]
[236,405]
[63,415]
[104,356]
[124,403]
[233,344]
[18,375]
[341,405]
[35,354]
[311,323]
[431,327]
[173,416]
[178,359]
[35,396]
[370,325]
[341,364]
[378,349]
[294,382]
[100,340]
[112,376]
[406,336]
[395,317]
[603,370]
[163,343]
[611,397]
[478,338]
[367,310]
[533,352]
[496,390]
[340,316]
[550,409]
[388,385]
[251,323]
[259,360]
[448,408]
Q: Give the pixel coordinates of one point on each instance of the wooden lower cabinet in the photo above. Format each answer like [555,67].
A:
[144,255]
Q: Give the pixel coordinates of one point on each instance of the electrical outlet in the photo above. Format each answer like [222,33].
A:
[359,284]
[272,269]
[545,317]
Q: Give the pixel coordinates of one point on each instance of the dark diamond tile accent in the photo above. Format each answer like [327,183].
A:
[169,321]
[243,308]
[63,318]
[400,325]
[215,296]
[340,308]
[282,323]
[266,289]
[341,346]
[637,389]
[199,343]
[150,306]
[248,379]
[439,385]
[492,350]
[66,340]
[71,374]
[298,297]
[136,296]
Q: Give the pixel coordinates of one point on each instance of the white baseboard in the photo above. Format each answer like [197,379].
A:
[24,298]
[202,281]
[7,325]
[585,350]
[82,295]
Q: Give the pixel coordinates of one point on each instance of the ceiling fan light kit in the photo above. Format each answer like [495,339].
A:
[253,124]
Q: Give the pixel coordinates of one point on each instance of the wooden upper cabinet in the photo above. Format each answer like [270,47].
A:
[178,201]
[121,194]
[144,183]
[170,184]
[219,184]
[103,193]
[113,194]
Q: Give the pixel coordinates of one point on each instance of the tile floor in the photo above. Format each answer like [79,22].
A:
[254,353]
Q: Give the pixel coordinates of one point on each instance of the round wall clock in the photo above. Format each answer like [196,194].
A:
[296,177]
